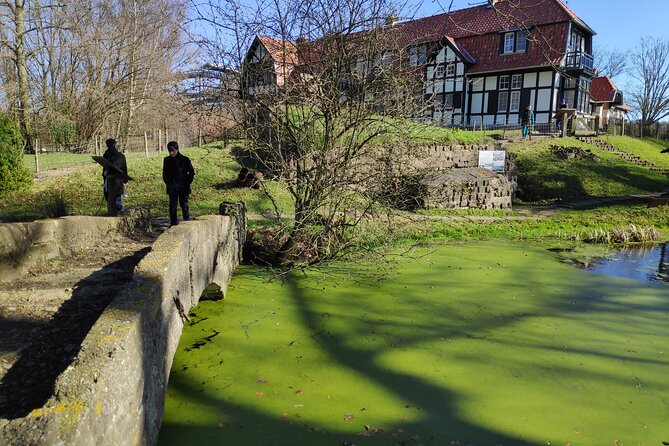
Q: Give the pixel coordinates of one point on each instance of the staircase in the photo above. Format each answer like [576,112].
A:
[594,141]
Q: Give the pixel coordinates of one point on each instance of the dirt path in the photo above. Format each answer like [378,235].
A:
[50,174]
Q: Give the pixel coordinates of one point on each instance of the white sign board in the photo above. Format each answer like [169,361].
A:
[492,160]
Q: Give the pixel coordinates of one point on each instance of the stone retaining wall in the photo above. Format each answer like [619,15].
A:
[467,188]
[113,393]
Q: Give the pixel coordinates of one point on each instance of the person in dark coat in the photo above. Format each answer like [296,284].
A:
[178,174]
[113,182]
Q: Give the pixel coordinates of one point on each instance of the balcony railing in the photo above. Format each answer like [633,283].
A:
[578,60]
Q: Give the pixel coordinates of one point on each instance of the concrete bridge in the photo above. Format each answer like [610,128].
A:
[111,317]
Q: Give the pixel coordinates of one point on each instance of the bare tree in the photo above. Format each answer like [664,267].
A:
[610,63]
[338,76]
[79,68]
[650,71]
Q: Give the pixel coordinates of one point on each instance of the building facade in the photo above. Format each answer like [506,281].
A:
[482,66]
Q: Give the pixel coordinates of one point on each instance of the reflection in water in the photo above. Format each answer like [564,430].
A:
[642,263]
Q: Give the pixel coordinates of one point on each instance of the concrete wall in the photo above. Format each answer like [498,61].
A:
[113,393]
[23,245]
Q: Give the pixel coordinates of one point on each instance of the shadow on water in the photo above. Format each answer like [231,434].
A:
[645,263]
[516,341]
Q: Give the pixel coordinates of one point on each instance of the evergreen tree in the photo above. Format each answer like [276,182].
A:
[13,174]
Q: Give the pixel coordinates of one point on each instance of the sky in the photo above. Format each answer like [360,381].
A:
[619,24]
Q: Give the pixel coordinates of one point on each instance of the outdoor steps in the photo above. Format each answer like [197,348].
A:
[624,155]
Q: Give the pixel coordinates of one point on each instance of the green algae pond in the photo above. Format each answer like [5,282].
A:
[484,343]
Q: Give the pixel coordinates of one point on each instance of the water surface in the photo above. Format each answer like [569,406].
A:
[480,343]
[642,263]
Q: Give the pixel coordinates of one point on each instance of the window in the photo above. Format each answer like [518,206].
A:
[502,101]
[569,96]
[387,57]
[521,42]
[450,69]
[514,42]
[508,43]
[503,82]
[570,83]
[514,105]
[418,55]
[448,101]
[516,81]
[439,72]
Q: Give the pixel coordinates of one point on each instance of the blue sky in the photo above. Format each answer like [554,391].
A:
[619,24]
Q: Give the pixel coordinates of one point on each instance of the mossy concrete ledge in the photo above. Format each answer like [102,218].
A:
[24,245]
[113,393]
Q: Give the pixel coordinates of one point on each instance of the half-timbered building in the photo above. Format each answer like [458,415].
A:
[483,65]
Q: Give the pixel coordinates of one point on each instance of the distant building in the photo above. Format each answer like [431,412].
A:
[607,103]
[481,65]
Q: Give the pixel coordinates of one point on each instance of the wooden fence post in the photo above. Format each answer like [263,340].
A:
[160,140]
[146,145]
[37,155]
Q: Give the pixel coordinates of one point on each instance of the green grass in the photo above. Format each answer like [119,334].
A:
[565,225]
[57,160]
[647,148]
[81,191]
[430,134]
[480,343]
[542,176]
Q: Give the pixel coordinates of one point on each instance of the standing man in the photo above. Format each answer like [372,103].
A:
[113,181]
[526,120]
[178,175]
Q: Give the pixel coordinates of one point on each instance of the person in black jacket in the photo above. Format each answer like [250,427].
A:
[178,175]
[113,183]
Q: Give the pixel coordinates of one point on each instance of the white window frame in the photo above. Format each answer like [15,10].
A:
[504,82]
[514,103]
[516,81]
[509,43]
[439,71]
[521,42]
[450,69]
[505,102]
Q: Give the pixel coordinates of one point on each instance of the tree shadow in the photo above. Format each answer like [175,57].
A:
[29,383]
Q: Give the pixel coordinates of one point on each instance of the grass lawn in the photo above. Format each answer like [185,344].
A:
[481,343]
[81,191]
[544,177]
[647,148]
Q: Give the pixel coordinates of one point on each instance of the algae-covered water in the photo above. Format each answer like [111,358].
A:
[482,343]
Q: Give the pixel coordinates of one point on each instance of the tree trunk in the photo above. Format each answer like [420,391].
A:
[22,72]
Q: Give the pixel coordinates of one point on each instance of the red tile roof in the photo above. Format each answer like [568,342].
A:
[475,32]
[280,50]
[602,89]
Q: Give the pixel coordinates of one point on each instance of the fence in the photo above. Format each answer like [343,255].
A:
[636,130]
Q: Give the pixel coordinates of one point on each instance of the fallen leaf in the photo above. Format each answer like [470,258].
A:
[220,426]
[260,394]
[348,417]
[298,392]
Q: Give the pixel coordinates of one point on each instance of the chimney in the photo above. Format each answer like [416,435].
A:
[492,3]
[391,21]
